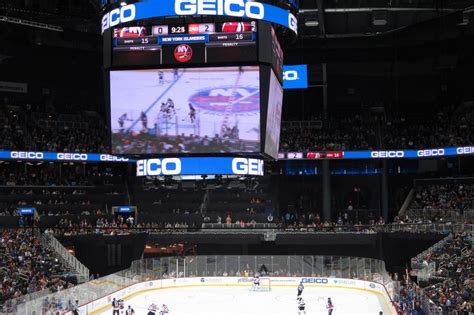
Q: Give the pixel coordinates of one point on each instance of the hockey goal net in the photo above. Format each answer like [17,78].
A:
[265,285]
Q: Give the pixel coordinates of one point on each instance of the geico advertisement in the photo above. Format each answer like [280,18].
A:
[200,166]
[58,156]
[147,9]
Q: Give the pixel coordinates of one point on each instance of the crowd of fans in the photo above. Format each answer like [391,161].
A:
[25,130]
[444,197]
[440,203]
[359,133]
[347,134]
[450,288]
[26,266]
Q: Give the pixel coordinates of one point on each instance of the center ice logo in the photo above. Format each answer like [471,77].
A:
[228,99]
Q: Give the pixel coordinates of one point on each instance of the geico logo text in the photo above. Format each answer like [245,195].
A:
[465,150]
[243,166]
[315,280]
[387,154]
[27,155]
[156,167]
[118,16]
[72,156]
[108,157]
[239,8]
[432,152]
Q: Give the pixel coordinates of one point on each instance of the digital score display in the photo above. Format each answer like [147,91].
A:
[185,43]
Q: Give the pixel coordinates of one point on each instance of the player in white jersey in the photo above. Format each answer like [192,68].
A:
[301,306]
[130,311]
[152,309]
[256,281]
[164,310]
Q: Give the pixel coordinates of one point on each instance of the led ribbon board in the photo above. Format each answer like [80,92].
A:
[58,156]
[223,166]
[148,9]
[200,166]
[387,154]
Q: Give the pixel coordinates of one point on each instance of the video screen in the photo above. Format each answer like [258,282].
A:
[275,101]
[184,43]
[192,110]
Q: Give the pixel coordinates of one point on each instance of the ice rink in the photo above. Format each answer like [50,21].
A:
[223,300]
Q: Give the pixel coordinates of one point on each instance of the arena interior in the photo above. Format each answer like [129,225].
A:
[216,157]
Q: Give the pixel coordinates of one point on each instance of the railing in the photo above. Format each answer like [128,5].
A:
[222,266]
[407,202]
[81,270]
[417,262]
[303,124]
[448,215]
[262,228]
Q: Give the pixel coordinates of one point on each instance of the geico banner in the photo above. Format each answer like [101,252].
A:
[200,166]
[147,9]
[295,77]
[397,154]
[386,154]
[58,156]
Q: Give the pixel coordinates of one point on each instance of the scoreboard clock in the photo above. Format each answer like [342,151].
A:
[159,45]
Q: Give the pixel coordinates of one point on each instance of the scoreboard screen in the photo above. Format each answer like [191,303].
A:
[180,44]
[185,110]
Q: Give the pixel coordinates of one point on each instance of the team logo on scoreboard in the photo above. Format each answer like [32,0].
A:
[235,99]
[183,53]
[132,31]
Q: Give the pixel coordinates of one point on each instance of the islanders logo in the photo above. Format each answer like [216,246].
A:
[228,99]
[183,53]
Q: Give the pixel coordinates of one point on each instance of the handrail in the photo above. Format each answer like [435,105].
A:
[81,270]
[261,228]
[406,203]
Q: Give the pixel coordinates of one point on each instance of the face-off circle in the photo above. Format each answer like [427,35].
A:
[183,53]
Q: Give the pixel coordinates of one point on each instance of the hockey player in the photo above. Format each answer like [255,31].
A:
[75,308]
[300,289]
[192,112]
[330,306]
[122,119]
[301,306]
[115,307]
[169,105]
[160,77]
[152,309]
[256,281]
[144,119]
[164,310]
[130,311]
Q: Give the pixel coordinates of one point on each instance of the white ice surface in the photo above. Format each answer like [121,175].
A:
[240,300]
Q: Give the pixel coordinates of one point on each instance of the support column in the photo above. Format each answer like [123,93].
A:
[325,93]
[326,172]
[384,190]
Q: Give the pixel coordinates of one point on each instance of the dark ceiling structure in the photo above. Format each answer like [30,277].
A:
[376,51]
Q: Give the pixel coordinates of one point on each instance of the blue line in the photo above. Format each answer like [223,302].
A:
[156,101]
